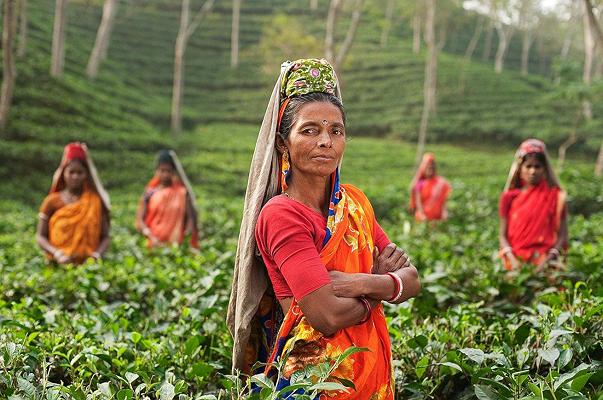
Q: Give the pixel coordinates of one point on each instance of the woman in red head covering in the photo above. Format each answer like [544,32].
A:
[74,217]
[429,192]
[533,212]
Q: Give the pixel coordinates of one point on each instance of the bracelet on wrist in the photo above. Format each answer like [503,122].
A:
[506,250]
[398,287]
[367,308]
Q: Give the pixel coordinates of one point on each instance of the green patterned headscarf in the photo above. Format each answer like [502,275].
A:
[308,75]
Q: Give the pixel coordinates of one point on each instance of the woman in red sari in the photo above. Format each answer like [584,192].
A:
[74,218]
[429,192]
[533,211]
[325,263]
[167,210]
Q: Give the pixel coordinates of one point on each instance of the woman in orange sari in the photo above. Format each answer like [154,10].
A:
[167,211]
[74,217]
[325,263]
[533,211]
[429,192]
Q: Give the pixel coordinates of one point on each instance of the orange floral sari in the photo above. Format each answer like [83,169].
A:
[75,228]
[350,250]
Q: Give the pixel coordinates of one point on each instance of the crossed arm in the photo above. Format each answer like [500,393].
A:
[337,306]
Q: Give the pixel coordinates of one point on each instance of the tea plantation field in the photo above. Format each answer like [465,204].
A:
[142,324]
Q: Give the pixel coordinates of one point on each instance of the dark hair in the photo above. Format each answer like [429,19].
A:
[296,103]
[165,157]
[540,157]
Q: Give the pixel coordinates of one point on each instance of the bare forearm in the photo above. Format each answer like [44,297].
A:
[502,234]
[562,236]
[103,245]
[328,313]
[45,244]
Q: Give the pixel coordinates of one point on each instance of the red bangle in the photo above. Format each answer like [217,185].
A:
[367,307]
[399,287]
[396,285]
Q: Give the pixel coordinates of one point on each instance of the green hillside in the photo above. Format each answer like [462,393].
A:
[124,114]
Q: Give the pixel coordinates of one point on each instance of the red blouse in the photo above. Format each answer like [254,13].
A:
[290,236]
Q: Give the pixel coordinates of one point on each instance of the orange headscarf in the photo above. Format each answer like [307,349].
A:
[76,228]
[433,191]
[350,250]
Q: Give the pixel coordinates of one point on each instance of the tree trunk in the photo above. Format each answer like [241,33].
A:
[525,51]
[234,36]
[387,25]
[330,30]
[430,84]
[479,27]
[349,37]
[416,33]
[598,74]
[187,28]
[594,25]
[22,46]
[57,60]
[572,138]
[504,36]
[589,51]
[180,48]
[567,45]
[8,62]
[313,5]
[103,37]
[488,42]
[599,164]
[442,35]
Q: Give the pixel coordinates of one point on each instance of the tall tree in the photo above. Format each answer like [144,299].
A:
[332,16]
[477,32]
[596,35]
[528,18]
[590,45]
[234,35]
[488,41]
[387,23]
[313,5]
[8,61]
[103,35]
[502,12]
[187,28]
[57,58]
[337,60]
[351,33]
[22,44]
[430,84]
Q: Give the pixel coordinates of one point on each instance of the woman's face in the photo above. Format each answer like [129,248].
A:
[75,174]
[165,172]
[430,170]
[317,140]
[532,170]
